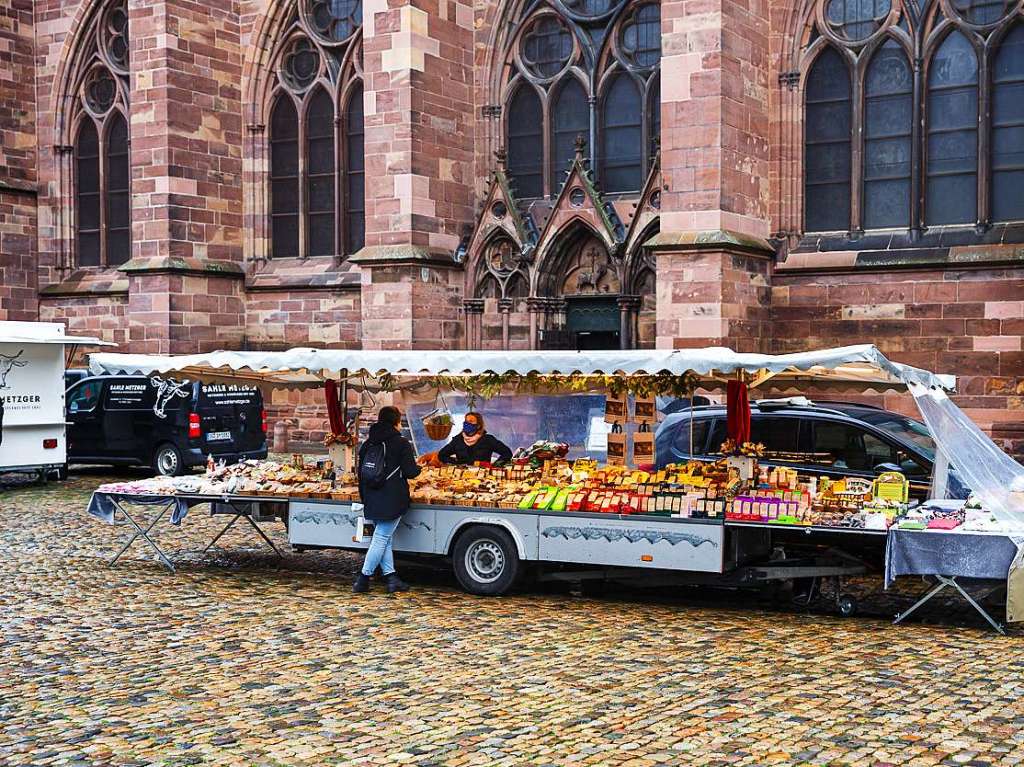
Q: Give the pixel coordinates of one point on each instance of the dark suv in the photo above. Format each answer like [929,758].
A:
[835,439]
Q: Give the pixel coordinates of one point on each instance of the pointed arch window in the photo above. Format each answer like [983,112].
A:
[827,144]
[355,172]
[119,208]
[951,194]
[888,121]
[101,148]
[284,177]
[1008,128]
[587,69]
[570,117]
[621,136]
[320,175]
[87,150]
[526,141]
[315,138]
[941,144]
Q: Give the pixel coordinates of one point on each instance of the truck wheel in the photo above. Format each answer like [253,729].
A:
[167,460]
[486,561]
[847,605]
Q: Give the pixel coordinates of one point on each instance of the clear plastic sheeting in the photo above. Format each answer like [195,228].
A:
[994,477]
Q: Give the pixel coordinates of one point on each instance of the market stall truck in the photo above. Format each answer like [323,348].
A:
[32,421]
[492,549]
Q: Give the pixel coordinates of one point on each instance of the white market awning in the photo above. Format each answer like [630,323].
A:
[44,333]
[861,367]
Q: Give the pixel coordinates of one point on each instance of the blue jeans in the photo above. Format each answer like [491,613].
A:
[380,552]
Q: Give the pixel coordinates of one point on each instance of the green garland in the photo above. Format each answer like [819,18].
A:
[489,385]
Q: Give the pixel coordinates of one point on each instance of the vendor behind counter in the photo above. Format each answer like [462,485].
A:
[474,444]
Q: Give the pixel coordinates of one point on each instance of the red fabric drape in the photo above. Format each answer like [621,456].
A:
[737,418]
[334,408]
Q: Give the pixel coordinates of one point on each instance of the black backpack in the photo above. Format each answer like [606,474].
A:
[373,466]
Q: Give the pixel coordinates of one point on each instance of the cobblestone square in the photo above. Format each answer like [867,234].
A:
[238,659]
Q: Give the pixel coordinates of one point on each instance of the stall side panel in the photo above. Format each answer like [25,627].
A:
[633,543]
[335,525]
[522,527]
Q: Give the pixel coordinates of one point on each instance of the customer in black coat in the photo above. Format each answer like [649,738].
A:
[385,503]
[474,444]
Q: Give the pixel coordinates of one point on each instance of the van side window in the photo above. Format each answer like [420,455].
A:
[85,397]
[700,437]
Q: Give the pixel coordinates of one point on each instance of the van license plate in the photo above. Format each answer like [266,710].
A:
[218,436]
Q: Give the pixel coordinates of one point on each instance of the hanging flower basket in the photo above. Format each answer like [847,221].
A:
[438,425]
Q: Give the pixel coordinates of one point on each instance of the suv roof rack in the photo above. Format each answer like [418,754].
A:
[767,404]
[867,405]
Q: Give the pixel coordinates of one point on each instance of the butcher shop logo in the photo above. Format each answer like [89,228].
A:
[7,364]
[165,392]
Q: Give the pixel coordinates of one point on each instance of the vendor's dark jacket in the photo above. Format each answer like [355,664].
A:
[391,500]
[457,451]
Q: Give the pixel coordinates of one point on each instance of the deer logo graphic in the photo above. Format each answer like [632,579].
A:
[8,363]
[165,392]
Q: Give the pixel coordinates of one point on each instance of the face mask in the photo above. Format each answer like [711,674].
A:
[470,428]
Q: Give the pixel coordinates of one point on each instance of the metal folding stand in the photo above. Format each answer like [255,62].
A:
[943,582]
[247,516]
[142,532]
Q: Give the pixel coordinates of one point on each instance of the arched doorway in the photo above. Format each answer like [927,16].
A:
[582,281]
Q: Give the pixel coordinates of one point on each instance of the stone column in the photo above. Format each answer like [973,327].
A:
[713,255]
[628,307]
[185,276]
[712,292]
[18,161]
[505,308]
[473,308]
[538,312]
[417,63]
[715,125]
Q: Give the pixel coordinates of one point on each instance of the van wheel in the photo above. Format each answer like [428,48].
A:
[486,561]
[167,461]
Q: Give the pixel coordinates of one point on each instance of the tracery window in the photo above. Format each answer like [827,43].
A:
[315,134]
[583,67]
[101,145]
[865,165]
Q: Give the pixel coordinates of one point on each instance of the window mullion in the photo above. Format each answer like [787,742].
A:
[340,193]
[917,150]
[857,154]
[592,149]
[984,138]
[303,173]
[102,172]
[547,142]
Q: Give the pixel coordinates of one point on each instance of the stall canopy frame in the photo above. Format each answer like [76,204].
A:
[862,367]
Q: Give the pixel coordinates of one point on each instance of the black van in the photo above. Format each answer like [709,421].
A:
[164,423]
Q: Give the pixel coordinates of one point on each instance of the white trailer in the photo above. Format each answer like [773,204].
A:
[32,420]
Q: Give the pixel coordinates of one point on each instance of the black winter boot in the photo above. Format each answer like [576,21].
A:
[394,583]
[361,584]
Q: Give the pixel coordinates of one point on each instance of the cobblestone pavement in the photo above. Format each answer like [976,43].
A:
[240,660]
